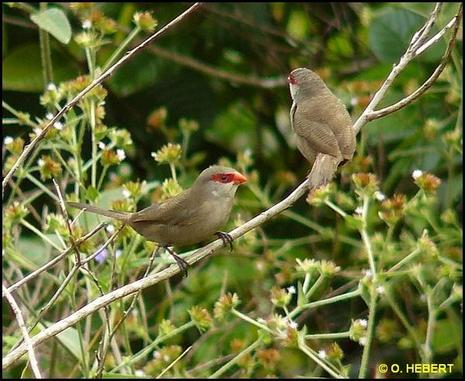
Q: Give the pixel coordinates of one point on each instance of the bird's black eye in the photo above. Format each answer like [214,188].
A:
[224,178]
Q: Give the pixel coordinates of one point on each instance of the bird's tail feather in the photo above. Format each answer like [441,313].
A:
[122,216]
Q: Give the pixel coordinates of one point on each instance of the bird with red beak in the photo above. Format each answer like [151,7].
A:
[191,217]
[319,119]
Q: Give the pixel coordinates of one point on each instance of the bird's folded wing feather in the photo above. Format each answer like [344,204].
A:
[174,211]
[317,133]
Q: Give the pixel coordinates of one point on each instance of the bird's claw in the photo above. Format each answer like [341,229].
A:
[183,265]
[227,239]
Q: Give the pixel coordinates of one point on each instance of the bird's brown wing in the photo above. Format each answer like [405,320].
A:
[173,211]
[308,124]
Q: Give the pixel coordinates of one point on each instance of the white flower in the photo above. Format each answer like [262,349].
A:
[58,126]
[363,341]
[8,140]
[121,154]
[260,266]
[153,154]
[37,130]
[110,229]
[86,24]
[417,173]
[354,101]
[139,373]
[293,324]
[380,196]
[291,290]
[118,253]
[358,210]
[51,87]
[166,358]
[102,145]
[49,116]
[322,354]
[156,354]
[126,193]
[367,273]
[363,322]
[40,162]
[380,290]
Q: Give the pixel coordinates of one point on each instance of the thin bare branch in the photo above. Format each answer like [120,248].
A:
[22,326]
[30,147]
[251,80]
[431,80]
[411,53]
[54,261]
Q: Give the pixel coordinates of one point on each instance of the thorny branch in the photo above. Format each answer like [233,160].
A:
[415,48]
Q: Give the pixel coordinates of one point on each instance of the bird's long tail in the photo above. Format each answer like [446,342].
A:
[122,216]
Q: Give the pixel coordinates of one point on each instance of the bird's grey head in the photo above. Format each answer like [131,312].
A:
[304,82]
[220,181]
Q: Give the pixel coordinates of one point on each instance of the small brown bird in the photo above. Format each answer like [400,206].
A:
[319,119]
[188,218]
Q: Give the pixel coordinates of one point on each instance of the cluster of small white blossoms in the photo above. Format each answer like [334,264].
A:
[322,354]
[417,173]
[86,24]
[119,152]
[367,273]
[379,196]
[57,125]
[7,140]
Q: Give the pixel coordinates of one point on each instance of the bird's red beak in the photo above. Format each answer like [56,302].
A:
[239,178]
[291,79]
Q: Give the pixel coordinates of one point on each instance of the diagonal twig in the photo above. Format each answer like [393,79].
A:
[30,147]
[22,326]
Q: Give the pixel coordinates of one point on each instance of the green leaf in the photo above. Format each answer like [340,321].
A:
[391,31]
[92,193]
[22,69]
[447,335]
[55,22]
[143,70]
[70,340]
[300,294]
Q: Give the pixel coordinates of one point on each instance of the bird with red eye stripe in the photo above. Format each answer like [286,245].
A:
[191,217]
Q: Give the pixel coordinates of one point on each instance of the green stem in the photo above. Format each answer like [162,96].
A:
[322,302]
[429,329]
[138,356]
[370,332]
[405,260]
[120,48]
[94,143]
[315,287]
[233,361]
[336,208]
[45,52]
[173,172]
[102,176]
[41,186]
[17,114]
[328,336]
[304,348]
[40,234]
[402,318]
[250,320]
[366,238]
